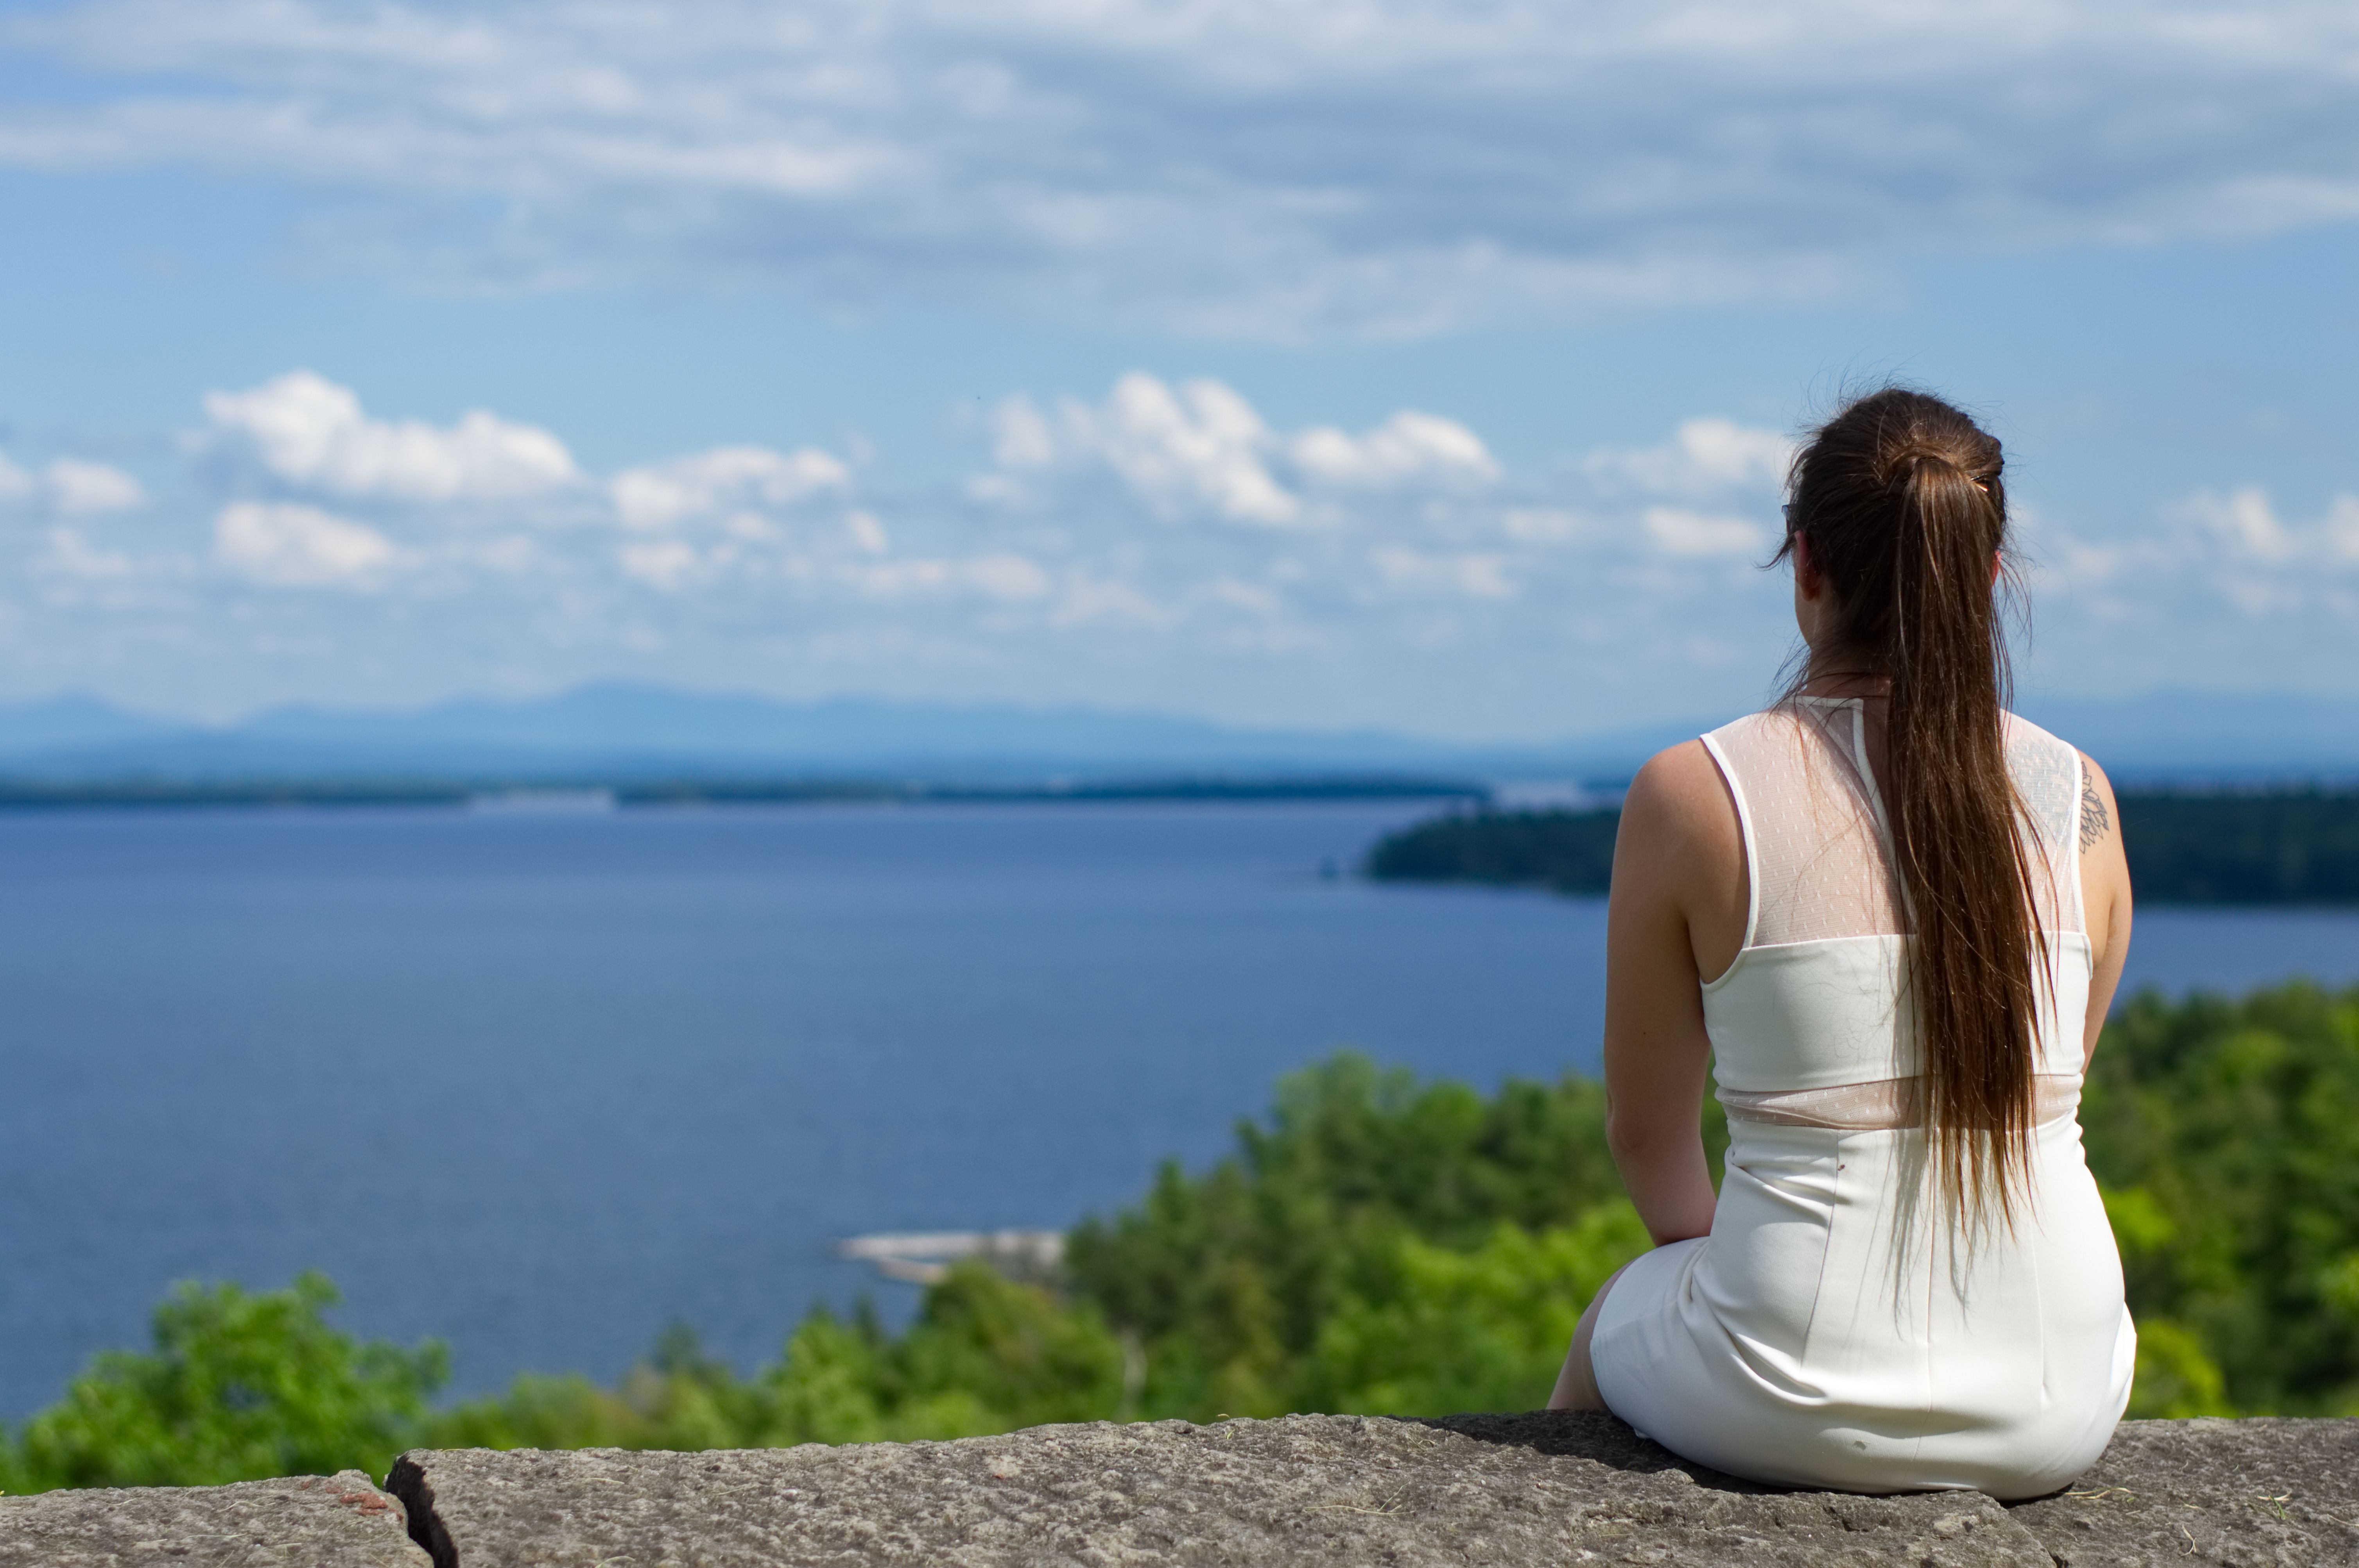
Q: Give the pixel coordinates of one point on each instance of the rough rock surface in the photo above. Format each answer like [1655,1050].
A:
[2246,1492]
[1349,1490]
[1343,1490]
[305,1521]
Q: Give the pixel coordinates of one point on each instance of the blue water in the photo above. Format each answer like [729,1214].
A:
[540,1084]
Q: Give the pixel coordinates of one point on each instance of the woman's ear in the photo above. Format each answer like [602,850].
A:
[1997,561]
[1809,581]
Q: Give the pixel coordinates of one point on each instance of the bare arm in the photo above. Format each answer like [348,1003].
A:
[2104,898]
[1670,912]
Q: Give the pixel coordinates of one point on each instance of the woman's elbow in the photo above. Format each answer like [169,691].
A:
[1641,1139]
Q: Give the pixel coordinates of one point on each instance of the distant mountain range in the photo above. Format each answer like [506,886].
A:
[617,731]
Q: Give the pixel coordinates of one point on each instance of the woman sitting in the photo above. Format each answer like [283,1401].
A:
[1912,908]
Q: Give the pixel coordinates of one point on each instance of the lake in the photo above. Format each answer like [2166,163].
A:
[539,1083]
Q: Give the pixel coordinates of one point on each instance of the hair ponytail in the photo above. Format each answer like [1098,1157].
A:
[1901,499]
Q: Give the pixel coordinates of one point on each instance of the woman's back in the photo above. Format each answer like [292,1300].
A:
[1839,1326]
[1824,910]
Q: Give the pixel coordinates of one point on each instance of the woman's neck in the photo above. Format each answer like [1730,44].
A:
[1835,676]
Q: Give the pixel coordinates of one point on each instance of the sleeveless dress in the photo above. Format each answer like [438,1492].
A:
[1831,1332]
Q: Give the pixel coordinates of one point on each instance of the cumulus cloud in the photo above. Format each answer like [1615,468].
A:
[1677,531]
[1164,506]
[2244,526]
[1703,457]
[724,482]
[997,575]
[2289,580]
[1195,449]
[71,554]
[1471,575]
[286,544]
[1201,450]
[85,489]
[338,487]
[330,468]
[1162,527]
[1319,535]
[308,432]
[1275,169]
[1319,528]
[667,564]
[71,487]
[1409,448]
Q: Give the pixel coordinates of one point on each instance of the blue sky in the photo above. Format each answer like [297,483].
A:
[1411,364]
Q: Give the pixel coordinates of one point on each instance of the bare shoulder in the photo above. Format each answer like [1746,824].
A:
[1678,862]
[1680,798]
[2099,811]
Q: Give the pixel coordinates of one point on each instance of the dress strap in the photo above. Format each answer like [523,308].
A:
[1744,831]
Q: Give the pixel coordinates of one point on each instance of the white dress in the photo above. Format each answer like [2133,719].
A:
[1829,1332]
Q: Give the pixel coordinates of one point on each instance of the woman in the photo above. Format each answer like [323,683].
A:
[1893,916]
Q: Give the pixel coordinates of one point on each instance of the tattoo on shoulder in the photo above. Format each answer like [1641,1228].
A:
[2093,818]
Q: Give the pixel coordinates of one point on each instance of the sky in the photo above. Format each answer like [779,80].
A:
[1359,363]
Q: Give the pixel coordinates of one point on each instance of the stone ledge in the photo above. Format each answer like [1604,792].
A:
[1351,1490]
[308,1521]
[1343,1490]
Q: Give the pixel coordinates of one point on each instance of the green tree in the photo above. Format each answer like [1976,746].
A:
[1474,1330]
[1226,1279]
[2226,1134]
[239,1385]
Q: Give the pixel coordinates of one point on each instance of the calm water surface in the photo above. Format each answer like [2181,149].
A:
[540,1083]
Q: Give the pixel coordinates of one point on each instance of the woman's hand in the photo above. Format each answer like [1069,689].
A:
[1676,914]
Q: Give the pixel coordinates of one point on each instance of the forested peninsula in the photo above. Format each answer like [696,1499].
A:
[2284,847]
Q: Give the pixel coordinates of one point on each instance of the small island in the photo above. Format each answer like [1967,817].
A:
[2260,847]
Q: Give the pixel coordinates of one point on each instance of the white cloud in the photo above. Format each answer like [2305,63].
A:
[1544,525]
[2339,529]
[85,489]
[1694,534]
[2296,578]
[71,487]
[722,482]
[70,554]
[2244,524]
[1273,169]
[1409,448]
[1086,599]
[1000,575]
[1474,575]
[311,434]
[1703,457]
[2268,569]
[1201,450]
[1192,450]
[1401,556]
[667,564]
[286,544]
[444,484]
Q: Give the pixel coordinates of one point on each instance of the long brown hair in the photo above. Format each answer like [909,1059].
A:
[1901,499]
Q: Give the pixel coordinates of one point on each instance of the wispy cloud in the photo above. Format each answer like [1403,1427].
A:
[1274,169]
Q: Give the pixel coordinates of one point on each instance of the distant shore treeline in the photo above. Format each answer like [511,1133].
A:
[2272,847]
[1373,1244]
[33,792]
